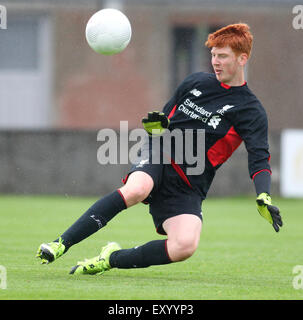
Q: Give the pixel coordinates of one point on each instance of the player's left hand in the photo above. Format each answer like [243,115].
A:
[268,211]
[155,123]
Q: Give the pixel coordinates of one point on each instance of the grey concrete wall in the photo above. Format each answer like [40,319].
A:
[54,162]
[65,162]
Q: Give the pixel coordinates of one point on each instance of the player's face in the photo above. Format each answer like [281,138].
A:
[227,65]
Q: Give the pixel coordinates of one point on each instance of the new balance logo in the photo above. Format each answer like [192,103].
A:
[214,121]
[196,92]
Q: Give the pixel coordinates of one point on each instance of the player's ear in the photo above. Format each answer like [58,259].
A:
[242,59]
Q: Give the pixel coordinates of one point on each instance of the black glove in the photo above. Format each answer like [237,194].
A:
[156,121]
[268,211]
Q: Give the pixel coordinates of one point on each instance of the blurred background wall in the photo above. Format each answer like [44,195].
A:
[56,93]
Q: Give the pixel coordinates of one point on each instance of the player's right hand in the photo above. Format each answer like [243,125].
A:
[268,211]
[155,123]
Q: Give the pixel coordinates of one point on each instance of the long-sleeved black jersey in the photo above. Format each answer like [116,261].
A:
[229,115]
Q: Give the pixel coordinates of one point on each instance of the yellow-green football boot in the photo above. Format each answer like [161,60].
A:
[49,252]
[96,265]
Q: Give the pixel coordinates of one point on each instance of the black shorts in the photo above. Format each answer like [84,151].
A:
[172,194]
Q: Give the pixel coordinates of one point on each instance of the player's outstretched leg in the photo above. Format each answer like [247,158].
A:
[137,188]
[95,218]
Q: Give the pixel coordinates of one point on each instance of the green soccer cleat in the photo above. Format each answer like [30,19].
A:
[96,265]
[49,252]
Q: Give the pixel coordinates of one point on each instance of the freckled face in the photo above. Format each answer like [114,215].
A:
[226,64]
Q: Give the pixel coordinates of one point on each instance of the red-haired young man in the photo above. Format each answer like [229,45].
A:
[225,108]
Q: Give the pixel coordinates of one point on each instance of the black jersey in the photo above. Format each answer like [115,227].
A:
[229,115]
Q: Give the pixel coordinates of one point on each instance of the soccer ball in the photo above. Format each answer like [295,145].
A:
[108,31]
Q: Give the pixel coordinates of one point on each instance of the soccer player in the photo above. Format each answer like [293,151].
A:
[222,105]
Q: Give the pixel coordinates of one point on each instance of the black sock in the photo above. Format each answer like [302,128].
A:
[151,253]
[96,217]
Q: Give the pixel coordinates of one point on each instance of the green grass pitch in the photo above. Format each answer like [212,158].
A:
[239,256]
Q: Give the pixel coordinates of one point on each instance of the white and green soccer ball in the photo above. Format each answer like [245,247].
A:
[108,31]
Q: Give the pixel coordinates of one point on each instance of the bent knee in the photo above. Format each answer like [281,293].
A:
[135,195]
[184,248]
[137,188]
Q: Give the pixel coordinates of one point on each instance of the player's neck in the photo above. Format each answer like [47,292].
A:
[237,81]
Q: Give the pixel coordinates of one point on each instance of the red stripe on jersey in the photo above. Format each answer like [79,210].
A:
[180,173]
[124,180]
[172,112]
[226,86]
[253,177]
[224,147]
